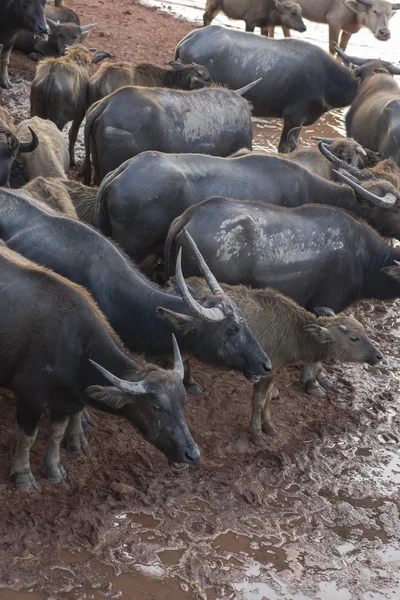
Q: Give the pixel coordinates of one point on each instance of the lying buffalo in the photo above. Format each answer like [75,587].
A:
[300,81]
[74,358]
[261,14]
[15,16]
[348,17]
[135,119]
[374,115]
[137,210]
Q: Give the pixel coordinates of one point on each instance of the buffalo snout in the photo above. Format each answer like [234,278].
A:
[383,34]
[374,360]
[302,28]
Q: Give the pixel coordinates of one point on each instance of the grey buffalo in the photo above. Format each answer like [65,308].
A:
[135,119]
[300,82]
[137,210]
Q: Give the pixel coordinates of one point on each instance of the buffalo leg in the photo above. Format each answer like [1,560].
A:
[322,378]
[262,392]
[4,62]
[75,438]
[250,27]
[52,461]
[86,419]
[28,417]
[270,31]
[309,381]
[213,7]
[334,32]
[286,31]
[191,385]
[344,40]
[73,134]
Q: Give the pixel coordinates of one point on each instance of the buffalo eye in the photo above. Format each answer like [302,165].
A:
[293,13]
[355,339]
[157,408]
[233,331]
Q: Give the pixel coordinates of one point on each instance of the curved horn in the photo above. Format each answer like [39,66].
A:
[203,266]
[178,362]
[291,137]
[393,69]
[360,150]
[248,87]
[207,314]
[132,387]
[55,24]
[350,59]
[100,55]
[87,27]
[387,201]
[323,139]
[29,146]
[341,164]
[395,6]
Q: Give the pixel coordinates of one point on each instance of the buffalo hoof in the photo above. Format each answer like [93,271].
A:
[195,389]
[76,444]
[324,381]
[26,481]
[6,84]
[269,429]
[314,389]
[87,420]
[256,438]
[56,474]
[72,162]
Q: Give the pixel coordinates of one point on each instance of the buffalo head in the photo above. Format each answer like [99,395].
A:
[345,149]
[191,77]
[153,404]
[63,35]
[375,15]
[290,15]
[10,147]
[30,16]
[215,328]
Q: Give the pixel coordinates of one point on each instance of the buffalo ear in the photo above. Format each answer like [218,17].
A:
[175,64]
[182,324]
[109,395]
[393,271]
[355,6]
[279,5]
[324,311]
[321,334]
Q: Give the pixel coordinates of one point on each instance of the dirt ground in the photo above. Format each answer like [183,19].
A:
[309,510]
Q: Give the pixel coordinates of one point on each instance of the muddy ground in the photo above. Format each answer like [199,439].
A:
[313,514]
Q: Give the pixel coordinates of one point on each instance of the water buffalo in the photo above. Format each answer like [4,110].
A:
[257,14]
[69,360]
[11,145]
[316,255]
[51,157]
[61,36]
[112,76]
[374,115]
[348,16]
[15,16]
[135,119]
[59,91]
[290,335]
[136,209]
[300,81]
[138,310]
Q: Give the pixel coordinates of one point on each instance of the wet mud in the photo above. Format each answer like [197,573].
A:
[311,515]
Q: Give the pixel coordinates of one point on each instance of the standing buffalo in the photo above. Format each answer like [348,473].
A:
[137,210]
[300,82]
[15,16]
[112,76]
[135,119]
[348,16]
[261,14]
[374,115]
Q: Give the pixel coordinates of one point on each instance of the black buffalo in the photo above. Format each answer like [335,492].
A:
[316,255]
[135,119]
[300,81]
[15,16]
[138,201]
[58,352]
[213,331]
[374,115]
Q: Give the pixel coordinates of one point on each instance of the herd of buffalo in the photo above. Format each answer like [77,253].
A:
[94,274]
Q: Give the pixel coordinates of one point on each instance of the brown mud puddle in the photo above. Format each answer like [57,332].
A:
[312,515]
